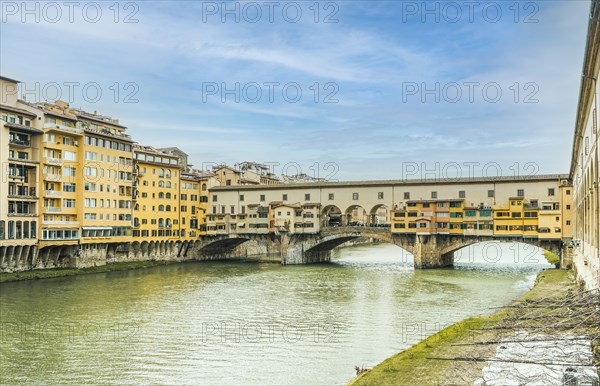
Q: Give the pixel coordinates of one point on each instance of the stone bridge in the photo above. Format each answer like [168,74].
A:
[429,251]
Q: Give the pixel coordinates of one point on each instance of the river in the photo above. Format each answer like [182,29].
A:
[232,323]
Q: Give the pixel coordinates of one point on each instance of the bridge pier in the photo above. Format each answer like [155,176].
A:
[428,252]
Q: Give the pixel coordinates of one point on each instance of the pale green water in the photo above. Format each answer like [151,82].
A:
[242,323]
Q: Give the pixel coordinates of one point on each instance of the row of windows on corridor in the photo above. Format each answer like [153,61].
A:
[18,230]
[380,195]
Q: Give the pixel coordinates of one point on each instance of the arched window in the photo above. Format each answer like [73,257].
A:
[25,229]
[168,184]
[168,223]
[161,195]
[137,206]
[168,174]
[161,223]
[168,195]
[168,208]
[203,186]
[161,184]
[161,172]
[161,208]
[2,225]
[19,230]
[11,230]
[32,234]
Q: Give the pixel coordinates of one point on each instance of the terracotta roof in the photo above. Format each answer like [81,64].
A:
[17,110]
[390,183]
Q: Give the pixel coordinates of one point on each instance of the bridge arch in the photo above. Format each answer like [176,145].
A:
[221,248]
[317,248]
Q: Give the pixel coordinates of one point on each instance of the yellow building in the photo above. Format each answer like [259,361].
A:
[190,212]
[156,195]
[20,136]
[86,194]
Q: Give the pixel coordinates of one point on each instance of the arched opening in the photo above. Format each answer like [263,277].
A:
[222,249]
[380,216]
[144,248]
[331,216]
[356,215]
[500,254]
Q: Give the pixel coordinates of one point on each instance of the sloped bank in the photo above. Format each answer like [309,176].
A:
[429,361]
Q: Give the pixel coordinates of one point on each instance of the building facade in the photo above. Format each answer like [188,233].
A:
[585,163]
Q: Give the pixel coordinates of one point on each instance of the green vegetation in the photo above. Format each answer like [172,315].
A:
[412,366]
[50,273]
[552,258]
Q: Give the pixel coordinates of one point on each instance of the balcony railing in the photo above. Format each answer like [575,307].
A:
[22,214]
[54,193]
[62,127]
[53,160]
[53,209]
[19,142]
[52,222]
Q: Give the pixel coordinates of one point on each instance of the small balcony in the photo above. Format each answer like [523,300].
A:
[21,214]
[53,209]
[20,142]
[53,193]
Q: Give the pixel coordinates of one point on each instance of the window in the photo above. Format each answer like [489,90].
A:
[331,196]
[568,192]
[568,207]
[355,196]
[520,192]
[69,155]
[68,187]
[285,197]
[434,195]
[68,203]
[568,222]
[461,194]
[69,171]
[551,191]
[262,197]
[407,195]
[380,196]
[90,172]
[490,193]
[307,197]
[91,156]
[214,198]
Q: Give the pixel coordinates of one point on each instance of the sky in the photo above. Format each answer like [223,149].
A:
[344,90]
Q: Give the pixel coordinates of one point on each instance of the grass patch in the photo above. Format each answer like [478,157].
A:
[60,272]
[411,366]
[552,258]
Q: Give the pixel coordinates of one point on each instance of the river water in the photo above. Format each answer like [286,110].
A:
[230,323]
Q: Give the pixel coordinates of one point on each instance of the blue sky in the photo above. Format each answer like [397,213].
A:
[376,57]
